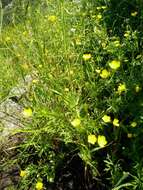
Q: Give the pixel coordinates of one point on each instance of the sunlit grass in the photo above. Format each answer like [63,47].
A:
[87,91]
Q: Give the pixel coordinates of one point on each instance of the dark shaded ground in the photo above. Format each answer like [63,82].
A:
[71,176]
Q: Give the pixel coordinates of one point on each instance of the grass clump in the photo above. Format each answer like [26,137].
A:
[86,99]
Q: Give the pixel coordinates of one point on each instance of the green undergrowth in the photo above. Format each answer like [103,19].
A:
[87,98]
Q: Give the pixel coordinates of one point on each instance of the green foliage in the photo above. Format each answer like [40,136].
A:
[87,57]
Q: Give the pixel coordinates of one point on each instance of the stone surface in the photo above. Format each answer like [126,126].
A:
[11,109]
[11,120]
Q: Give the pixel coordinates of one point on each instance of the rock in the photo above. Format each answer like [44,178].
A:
[9,178]
[11,110]
[11,117]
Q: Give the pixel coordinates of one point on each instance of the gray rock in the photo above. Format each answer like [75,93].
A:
[11,110]
[11,119]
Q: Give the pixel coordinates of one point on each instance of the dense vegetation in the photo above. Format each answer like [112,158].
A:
[85,103]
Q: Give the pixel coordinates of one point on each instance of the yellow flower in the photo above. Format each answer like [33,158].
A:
[99,16]
[106,119]
[27,112]
[116,43]
[133,124]
[137,88]
[104,45]
[25,33]
[22,173]
[116,122]
[129,135]
[114,64]
[98,8]
[101,140]
[105,74]
[71,72]
[7,38]
[35,81]
[92,139]
[66,89]
[39,185]
[98,71]
[134,13]
[52,18]
[127,34]
[86,57]
[40,66]
[78,41]
[76,122]
[121,88]
[104,7]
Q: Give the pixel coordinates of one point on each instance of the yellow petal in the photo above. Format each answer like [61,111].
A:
[101,140]
[129,135]
[137,88]
[134,13]
[106,119]
[52,18]
[76,122]
[115,64]
[86,57]
[104,74]
[39,185]
[133,124]
[121,88]
[27,112]
[98,71]
[92,139]
[22,173]
[116,122]
[99,16]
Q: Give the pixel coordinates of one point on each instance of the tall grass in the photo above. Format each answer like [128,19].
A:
[87,96]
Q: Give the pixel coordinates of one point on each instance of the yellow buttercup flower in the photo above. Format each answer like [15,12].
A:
[98,8]
[52,18]
[98,71]
[106,119]
[99,16]
[116,122]
[39,185]
[40,66]
[116,43]
[22,173]
[25,33]
[35,81]
[86,56]
[127,34]
[104,45]
[137,88]
[78,41]
[115,64]
[105,74]
[92,139]
[7,38]
[121,88]
[104,7]
[101,140]
[76,122]
[129,135]
[134,13]
[27,112]
[71,72]
[66,89]
[133,124]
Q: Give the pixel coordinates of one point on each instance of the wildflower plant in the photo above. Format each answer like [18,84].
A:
[86,98]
